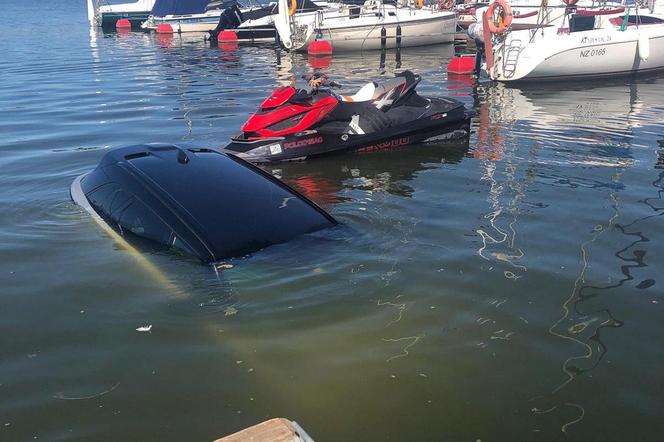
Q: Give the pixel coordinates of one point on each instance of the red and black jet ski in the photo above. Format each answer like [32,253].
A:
[295,124]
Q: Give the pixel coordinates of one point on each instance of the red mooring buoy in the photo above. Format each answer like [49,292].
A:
[123,23]
[227,36]
[461,65]
[164,28]
[320,47]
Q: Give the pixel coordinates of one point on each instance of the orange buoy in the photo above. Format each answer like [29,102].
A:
[500,16]
[320,47]
[123,23]
[164,28]
[461,65]
[227,36]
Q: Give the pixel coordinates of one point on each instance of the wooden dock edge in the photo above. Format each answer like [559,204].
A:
[273,430]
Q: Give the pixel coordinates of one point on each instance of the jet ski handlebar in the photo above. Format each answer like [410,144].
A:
[316,81]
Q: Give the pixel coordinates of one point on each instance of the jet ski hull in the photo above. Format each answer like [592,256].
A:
[437,123]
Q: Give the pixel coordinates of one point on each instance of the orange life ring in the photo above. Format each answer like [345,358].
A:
[419,4]
[293,8]
[500,16]
[446,4]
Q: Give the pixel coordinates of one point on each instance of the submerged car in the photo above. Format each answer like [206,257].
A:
[210,204]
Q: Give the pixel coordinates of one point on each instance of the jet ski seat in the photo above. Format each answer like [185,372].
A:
[365,93]
[371,91]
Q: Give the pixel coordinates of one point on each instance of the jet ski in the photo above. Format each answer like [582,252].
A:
[207,203]
[294,124]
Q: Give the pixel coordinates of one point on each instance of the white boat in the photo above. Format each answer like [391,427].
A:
[528,14]
[374,25]
[257,24]
[208,20]
[101,13]
[580,45]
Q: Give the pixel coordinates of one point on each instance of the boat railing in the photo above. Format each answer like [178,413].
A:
[354,12]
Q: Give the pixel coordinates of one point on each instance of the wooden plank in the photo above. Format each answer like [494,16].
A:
[273,430]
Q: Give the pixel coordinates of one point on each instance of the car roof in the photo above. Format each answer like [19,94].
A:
[220,205]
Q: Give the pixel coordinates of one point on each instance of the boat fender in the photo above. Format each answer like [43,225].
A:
[320,47]
[398,36]
[570,2]
[383,38]
[476,32]
[227,36]
[461,65]
[123,23]
[164,28]
[644,47]
[500,16]
[293,8]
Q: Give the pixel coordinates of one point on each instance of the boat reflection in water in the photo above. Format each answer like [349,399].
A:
[581,137]
[356,68]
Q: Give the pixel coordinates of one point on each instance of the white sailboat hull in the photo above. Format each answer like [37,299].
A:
[419,31]
[594,53]
[106,15]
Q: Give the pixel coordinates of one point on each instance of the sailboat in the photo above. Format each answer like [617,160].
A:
[374,25]
[583,43]
[107,15]
[257,22]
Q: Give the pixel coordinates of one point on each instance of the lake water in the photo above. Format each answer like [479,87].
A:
[501,289]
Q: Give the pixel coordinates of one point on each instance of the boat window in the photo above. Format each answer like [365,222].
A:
[578,22]
[644,20]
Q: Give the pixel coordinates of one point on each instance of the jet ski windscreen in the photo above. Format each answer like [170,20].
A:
[211,204]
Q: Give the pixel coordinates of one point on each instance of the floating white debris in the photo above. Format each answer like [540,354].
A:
[230,310]
[145,328]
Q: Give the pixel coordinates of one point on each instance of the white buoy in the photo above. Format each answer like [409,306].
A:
[644,47]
